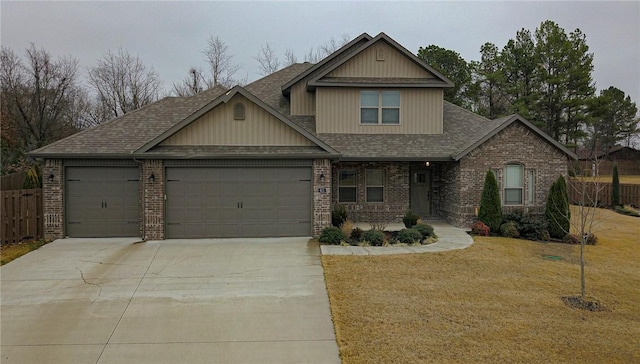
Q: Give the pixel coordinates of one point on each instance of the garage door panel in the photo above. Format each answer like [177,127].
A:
[239,202]
[102,201]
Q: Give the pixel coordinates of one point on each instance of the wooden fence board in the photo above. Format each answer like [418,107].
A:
[629,193]
[22,216]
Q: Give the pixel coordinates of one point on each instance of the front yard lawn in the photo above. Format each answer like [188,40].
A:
[624,179]
[497,301]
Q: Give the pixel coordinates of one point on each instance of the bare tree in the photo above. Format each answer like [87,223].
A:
[192,84]
[123,83]
[267,59]
[220,62]
[41,100]
[320,52]
[289,57]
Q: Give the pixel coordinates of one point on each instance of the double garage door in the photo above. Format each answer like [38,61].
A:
[200,202]
[238,202]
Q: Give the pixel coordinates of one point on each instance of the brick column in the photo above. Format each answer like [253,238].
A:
[321,195]
[153,200]
[53,199]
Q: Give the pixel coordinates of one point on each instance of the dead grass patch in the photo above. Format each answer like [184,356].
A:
[15,251]
[624,179]
[500,300]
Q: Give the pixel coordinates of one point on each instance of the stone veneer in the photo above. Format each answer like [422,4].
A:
[53,199]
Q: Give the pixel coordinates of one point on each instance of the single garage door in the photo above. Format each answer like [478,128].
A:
[238,202]
[102,201]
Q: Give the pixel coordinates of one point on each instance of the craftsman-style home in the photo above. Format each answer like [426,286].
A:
[366,127]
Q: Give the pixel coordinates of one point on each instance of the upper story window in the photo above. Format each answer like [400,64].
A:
[379,107]
[513,184]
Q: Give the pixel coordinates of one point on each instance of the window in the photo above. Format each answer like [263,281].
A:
[238,111]
[347,181]
[513,184]
[531,183]
[374,179]
[380,107]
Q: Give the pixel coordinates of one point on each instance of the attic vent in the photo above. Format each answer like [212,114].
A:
[238,111]
[380,54]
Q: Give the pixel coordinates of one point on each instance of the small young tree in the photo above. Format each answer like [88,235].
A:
[490,209]
[615,187]
[557,210]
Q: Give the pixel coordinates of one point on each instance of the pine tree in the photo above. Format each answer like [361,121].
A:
[557,211]
[490,208]
[615,187]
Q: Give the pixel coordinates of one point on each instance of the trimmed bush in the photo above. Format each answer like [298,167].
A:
[425,230]
[557,210]
[479,228]
[331,235]
[356,234]
[490,211]
[373,237]
[615,187]
[410,219]
[529,226]
[627,210]
[338,215]
[409,236]
[509,230]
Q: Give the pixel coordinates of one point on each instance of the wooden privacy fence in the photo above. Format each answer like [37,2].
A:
[21,215]
[629,193]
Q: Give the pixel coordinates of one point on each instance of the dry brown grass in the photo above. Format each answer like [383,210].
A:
[632,180]
[13,252]
[497,301]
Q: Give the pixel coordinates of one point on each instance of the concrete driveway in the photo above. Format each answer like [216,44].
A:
[175,301]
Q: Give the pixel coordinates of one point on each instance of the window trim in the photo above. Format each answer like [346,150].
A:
[531,187]
[367,185]
[505,186]
[380,107]
[354,186]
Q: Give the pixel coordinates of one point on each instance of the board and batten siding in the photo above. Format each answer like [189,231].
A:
[302,102]
[218,127]
[394,64]
[338,111]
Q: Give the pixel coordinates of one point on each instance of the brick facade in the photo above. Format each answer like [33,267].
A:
[396,192]
[515,144]
[152,200]
[53,199]
[321,195]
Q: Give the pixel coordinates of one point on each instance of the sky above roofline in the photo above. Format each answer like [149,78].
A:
[170,36]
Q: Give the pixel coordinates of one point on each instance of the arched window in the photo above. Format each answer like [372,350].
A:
[238,111]
[513,184]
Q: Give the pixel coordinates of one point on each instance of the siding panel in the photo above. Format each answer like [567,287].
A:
[302,102]
[395,64]
[338,111]
[217,127]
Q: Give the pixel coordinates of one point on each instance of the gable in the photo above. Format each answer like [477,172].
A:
[218,127]
[380,60]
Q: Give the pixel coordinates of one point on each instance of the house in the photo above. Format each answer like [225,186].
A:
[366,127]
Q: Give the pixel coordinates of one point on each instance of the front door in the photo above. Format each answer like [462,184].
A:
[421,192]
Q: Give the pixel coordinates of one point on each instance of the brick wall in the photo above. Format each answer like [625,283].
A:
[515,144]
[321,195]
[396,192]
[152,200]
[53,195]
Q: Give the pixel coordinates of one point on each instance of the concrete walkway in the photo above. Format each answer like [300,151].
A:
[449,238]
[175,301]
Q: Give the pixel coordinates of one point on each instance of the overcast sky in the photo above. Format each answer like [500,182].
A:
[170,36]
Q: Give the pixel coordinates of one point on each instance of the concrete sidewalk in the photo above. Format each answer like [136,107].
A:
[175,301]
[449,238]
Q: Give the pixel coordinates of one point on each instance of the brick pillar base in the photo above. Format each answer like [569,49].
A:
[321,195]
